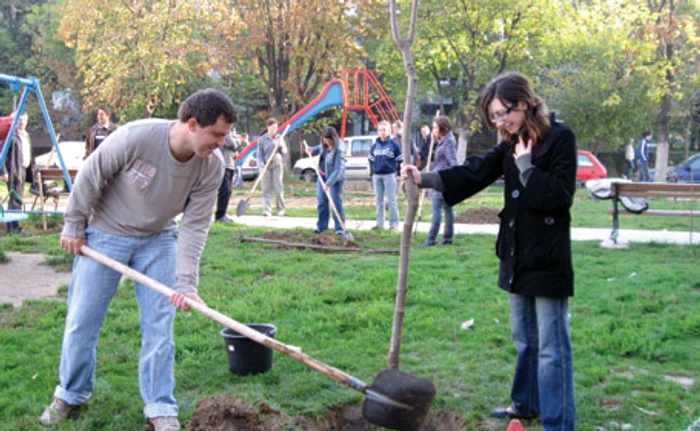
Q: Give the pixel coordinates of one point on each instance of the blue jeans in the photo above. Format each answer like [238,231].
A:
[644,176]
[438,206]
[324,209]
[91,289]
[385,187]
[544,373]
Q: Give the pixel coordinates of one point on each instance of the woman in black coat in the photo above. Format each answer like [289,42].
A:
[537,158]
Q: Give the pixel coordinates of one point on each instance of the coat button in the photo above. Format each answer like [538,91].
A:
[549,221]
[511,223]
[515,194]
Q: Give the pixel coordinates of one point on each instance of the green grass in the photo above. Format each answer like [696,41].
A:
[634,319]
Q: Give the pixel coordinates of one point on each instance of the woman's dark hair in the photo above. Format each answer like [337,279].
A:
[444,124]
[330,133]
[510,88]
[270,121]
[206,106]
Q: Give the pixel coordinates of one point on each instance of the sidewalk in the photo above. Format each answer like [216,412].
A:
[577,234]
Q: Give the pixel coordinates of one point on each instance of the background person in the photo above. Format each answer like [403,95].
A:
[385,160]
[239,168]
[423,147]
[629,159]
[232,144]
[99,132]
[332,167]
[14,171]
[272,178]
[537,156]
[124,204]
[643,157]
[445,157]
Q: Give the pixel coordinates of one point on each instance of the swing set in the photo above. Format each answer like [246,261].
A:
[28,85]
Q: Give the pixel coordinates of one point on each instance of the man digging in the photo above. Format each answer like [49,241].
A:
[124,204]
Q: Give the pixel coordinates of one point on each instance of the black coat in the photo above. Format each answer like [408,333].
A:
[534,238]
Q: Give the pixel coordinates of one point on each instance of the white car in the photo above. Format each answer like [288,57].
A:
[356,160]
[72,153]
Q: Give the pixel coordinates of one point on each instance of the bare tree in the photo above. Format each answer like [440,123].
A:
[404,45]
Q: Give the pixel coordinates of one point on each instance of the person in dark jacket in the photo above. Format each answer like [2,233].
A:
[385,160]
[537,157]
[445,157]
[643,157]
[99,132]
[424,147]
[13,170]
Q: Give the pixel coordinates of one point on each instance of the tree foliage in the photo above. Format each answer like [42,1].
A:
[141,56]
[293,47]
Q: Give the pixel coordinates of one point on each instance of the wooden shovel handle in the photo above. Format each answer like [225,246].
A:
[242,329]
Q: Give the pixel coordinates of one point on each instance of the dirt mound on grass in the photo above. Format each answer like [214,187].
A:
[479,216]
[327,238]
[226,413]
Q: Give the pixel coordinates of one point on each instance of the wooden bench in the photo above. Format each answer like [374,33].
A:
[652,190]
[48,175]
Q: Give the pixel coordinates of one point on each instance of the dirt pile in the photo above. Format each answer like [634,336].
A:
[479,216]
[226,413]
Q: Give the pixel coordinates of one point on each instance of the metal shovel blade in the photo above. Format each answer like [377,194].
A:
[412,398]
[242,207]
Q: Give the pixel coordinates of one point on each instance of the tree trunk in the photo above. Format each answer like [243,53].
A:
[404,45]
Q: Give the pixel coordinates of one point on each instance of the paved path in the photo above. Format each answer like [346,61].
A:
[577,234]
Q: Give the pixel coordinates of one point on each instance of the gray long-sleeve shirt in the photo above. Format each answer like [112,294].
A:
[133,186]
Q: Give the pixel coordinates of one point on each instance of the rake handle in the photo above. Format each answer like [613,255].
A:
[242,329]
[269,160]
[328,194]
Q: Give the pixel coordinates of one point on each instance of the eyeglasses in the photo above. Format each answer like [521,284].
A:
[498,116]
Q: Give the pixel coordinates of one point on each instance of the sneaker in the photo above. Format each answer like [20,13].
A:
[428,244]
[56,412]
[266,214]
[446,242]
[377,227]
[163,423]
[224,219]
[280,213]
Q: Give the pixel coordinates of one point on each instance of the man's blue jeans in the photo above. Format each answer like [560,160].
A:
[439,204]
[385,187]
[544,372]
[324,209]
[91,289]
[644,176]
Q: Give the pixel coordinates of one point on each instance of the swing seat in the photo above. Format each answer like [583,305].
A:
[8,217]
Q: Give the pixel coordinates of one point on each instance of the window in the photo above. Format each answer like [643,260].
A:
[360,147]
[584,161]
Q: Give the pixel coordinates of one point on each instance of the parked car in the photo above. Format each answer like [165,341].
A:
[687,171]
[589,167]
[356,160]
[72,153]
[249,165]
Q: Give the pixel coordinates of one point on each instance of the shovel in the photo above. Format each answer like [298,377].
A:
[244,204]
[395,400]
[347,236]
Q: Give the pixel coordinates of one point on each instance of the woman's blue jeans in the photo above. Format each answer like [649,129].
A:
[448,233]
[91,289]
[385,187]
[324,210]
[544,372]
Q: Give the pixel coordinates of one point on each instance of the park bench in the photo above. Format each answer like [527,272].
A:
[652,190]
[44,179]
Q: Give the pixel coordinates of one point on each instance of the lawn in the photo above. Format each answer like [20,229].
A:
[634,319]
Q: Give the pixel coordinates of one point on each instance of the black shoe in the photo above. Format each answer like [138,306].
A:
[317,230]
[428,244]
[446,242]
[508,412]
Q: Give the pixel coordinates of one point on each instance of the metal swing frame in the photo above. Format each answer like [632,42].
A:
[28,85]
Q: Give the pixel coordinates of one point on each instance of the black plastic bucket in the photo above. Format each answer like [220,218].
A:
[245,356]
